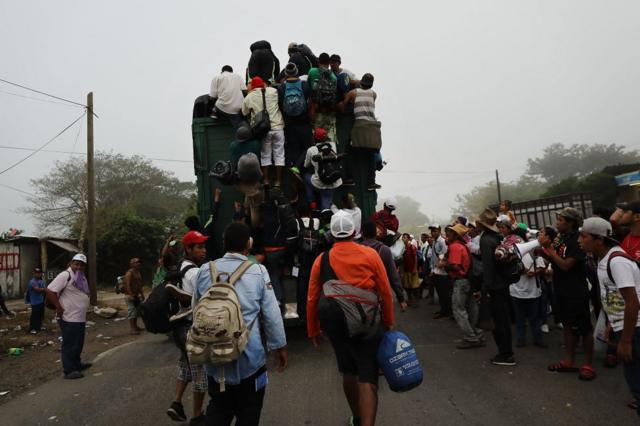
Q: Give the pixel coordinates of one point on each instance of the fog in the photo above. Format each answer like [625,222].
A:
[464,87]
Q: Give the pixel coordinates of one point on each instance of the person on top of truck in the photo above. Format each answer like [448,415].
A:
[324,86]
[227,89]
[263,62]
[322,178]
[272,153]
[293,98]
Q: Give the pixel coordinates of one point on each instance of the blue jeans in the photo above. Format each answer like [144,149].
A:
[324,196]
[274,261]
[72,344]
[527,309]
[632,369]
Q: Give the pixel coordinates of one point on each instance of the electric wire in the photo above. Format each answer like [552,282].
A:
[42,93]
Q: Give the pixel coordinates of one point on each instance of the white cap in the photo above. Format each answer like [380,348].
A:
[342,224]
[391,203]
[80,257]
[598,226]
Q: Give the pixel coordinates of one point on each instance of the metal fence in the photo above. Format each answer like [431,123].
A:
[541,212]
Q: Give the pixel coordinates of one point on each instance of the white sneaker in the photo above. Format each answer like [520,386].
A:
[544,328]
[33,332]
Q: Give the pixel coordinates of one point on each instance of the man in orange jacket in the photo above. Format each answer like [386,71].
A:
[361,267]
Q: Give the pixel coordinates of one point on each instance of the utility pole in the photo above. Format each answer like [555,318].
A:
[91,205]
[498,185]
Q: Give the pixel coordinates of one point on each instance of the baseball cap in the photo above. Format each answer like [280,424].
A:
[193,237]
[391,203]
[633,206]
[571,214]
[37,270]
[257,82]
[319,134]
[598,226]
[342,224]
[80,257]
[434,226]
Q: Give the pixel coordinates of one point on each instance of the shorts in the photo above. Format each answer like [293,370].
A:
[574,314]
[193,373]
[410,280]
[132,308]
[356,357]
[272,152]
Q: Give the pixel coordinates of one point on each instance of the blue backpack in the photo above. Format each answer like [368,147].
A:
[294,104]
[399,362]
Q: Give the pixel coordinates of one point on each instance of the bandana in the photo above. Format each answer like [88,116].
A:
[80,282]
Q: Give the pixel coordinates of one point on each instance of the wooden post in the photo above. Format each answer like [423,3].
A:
[498,185]
[91,206]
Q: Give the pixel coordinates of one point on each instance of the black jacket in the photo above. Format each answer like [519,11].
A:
[491,278]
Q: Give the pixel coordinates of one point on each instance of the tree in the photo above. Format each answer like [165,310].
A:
[600,185]
[472,203]
[559,161]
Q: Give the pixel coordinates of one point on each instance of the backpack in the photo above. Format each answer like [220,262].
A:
[619,254]
[329,165]
[119,286]
[325,89]
[280,223]
[219,334]
[294,104]
[309,237]
[359,309]
[399,362]
[160,305]
[510,271]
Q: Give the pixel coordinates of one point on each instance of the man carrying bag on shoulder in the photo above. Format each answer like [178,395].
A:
[350,301]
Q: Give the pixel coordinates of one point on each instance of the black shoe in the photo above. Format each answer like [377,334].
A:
[85,365]
[503,360]
[176,412]
[198,421]
[73,375]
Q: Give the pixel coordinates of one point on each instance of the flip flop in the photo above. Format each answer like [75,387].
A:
[587,373]
[562,367]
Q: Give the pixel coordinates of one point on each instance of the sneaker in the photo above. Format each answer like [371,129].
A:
[85,365]
[176,412]
[177,291]
[33,332]
[182,313]
[198,421]
[503,360]
[73,375]
[544,328]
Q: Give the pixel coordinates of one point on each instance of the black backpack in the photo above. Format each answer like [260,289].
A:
[511,271]
[160,305]
[325,90]
[329,165]
[309,238]
[280,223]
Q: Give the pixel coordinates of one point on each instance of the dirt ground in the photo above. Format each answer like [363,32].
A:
[40,360]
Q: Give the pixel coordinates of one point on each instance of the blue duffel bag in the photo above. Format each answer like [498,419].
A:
[399,362]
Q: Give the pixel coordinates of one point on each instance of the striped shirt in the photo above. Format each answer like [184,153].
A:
[364,107]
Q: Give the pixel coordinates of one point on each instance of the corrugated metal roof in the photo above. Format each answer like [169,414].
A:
[65,245]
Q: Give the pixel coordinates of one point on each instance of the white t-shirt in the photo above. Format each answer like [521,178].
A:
[625,274]
[315,179]
[228,87]
[74,302]
[527,287]
[189,279]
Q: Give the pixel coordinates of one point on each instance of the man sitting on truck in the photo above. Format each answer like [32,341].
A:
[226,89]
[272,153]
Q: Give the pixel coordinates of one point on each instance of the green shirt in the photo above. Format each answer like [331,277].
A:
[314,75]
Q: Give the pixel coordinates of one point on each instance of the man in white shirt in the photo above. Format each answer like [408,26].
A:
[439,275]
[226,89]
[195,254]
[619,279]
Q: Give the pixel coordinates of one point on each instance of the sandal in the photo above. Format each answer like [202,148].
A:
[587,373]
[562,367]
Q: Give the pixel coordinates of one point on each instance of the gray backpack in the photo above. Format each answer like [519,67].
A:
[360,308]
[219,333]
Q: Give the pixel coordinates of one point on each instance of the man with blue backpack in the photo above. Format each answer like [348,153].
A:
[293,97]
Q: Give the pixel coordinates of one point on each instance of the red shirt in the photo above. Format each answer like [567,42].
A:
[631,244]
[409,259]
[457,254]
[358,265]
[388,220]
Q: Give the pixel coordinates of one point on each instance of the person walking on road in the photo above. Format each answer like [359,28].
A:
[245,379]
[133,294]
[439,275]
[37,291]
[69,293]
[360,267]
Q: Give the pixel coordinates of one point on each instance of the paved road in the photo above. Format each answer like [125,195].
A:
[133,385]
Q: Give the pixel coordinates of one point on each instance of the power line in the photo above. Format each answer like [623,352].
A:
[42,93]
[53,151]
[45,144]
[429,172]
[37,99]
[15,189]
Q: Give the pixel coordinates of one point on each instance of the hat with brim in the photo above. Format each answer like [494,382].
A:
[571,214]
[488,220]
[459,229]
[600,227]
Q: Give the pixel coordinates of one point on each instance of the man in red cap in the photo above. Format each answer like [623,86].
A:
[195,254]
[323,170]
[261,98]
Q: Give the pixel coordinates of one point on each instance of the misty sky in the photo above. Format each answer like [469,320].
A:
[463,86]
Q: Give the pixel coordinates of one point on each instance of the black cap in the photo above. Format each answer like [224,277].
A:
[633,206]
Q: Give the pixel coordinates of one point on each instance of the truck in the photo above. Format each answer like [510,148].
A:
[211,140]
